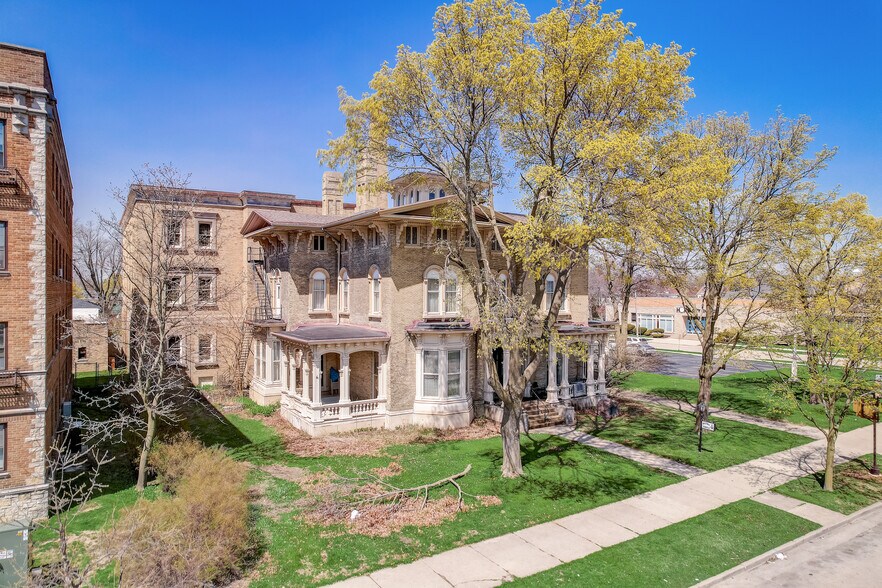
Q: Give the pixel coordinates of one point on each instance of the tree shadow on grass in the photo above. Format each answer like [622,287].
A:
[555,469]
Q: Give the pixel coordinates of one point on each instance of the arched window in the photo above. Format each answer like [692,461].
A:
[442,292]
[375,291]
[343,291]
[433,292]
[318,300]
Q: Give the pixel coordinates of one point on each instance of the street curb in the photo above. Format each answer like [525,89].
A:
[764,558]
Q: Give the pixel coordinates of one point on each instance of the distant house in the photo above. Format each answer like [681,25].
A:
[89,330]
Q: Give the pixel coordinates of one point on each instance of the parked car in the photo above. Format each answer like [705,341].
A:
[640,346]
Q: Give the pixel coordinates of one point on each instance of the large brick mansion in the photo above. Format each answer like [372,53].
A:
[352,318]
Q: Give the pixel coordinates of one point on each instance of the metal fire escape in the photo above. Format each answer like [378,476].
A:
[261,313]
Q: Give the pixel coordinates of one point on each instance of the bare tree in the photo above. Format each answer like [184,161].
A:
[96,263]
[74,479]
[166,281]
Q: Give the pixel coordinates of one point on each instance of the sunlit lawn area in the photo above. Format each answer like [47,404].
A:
[682,554]
[669,432]
[853,487]
[561,479]
[748,393]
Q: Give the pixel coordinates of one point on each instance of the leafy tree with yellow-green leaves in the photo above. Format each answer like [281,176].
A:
[826,287]
[572,106]
[720,231]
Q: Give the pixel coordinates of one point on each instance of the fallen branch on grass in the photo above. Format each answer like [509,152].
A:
[422,490]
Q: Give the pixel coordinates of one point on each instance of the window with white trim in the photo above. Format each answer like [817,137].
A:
[442,292]
[205,349]
[375,291]
[277,361]
[550,285]
[343,292]
[205,289]
[205,234]
[440,235]
[411,235]
[318,300]
[174,350]
[3,346]
[374,237]
[174,233]
[443,373]
[174,291]
[470,241]
[665,322]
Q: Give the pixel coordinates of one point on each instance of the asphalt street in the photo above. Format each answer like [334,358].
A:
[847,555]
[686,365]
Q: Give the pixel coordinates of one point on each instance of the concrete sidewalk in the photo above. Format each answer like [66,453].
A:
[535,549]
[805,430]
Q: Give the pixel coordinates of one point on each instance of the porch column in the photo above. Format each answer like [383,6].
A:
[315,373]
[383,384]
[590,384]
[551,388]
[565,377]
[304,377]
[601,366]
[488,389]
[344,384]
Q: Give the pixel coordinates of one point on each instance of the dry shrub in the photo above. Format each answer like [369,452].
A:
[199,535]
[172,459]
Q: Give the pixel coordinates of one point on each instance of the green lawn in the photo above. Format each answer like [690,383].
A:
[561,479]
[747,393]
[668,432]
[682,554]
[853,487]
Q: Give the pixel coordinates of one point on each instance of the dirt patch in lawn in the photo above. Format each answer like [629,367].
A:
[372,442]
[288,473]
[363,506]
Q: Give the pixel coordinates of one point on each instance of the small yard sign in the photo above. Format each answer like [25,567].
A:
[708,426]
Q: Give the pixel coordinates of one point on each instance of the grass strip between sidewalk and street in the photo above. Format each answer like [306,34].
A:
[682,554]
[853,487]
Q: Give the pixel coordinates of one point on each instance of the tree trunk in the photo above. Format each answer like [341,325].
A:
[145,451]
[704,393]
[511,442]
[829,460]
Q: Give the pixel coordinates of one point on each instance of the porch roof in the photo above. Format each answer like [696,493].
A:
[329,333]
[440,327]
[589,328]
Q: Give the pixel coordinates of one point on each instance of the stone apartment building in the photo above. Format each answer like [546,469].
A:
[36,209]
[352,317]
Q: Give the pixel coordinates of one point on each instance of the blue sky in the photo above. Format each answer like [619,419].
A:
[241,95]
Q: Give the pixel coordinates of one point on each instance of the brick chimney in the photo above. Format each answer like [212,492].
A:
[332,193]
[367,197]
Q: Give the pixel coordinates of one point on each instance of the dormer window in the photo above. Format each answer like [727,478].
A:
[318,242]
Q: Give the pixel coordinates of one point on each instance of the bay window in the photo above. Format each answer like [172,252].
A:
[443,373]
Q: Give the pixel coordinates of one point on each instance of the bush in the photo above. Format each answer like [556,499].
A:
[642,331]
[632,329]
[257,409]
[173,460]
[656,334]
[197,535]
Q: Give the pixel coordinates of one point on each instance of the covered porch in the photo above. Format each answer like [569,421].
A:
[336,377]
[566,380]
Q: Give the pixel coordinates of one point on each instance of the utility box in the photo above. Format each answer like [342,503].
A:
[14,544]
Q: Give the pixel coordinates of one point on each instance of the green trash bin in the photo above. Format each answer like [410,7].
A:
[13,554]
